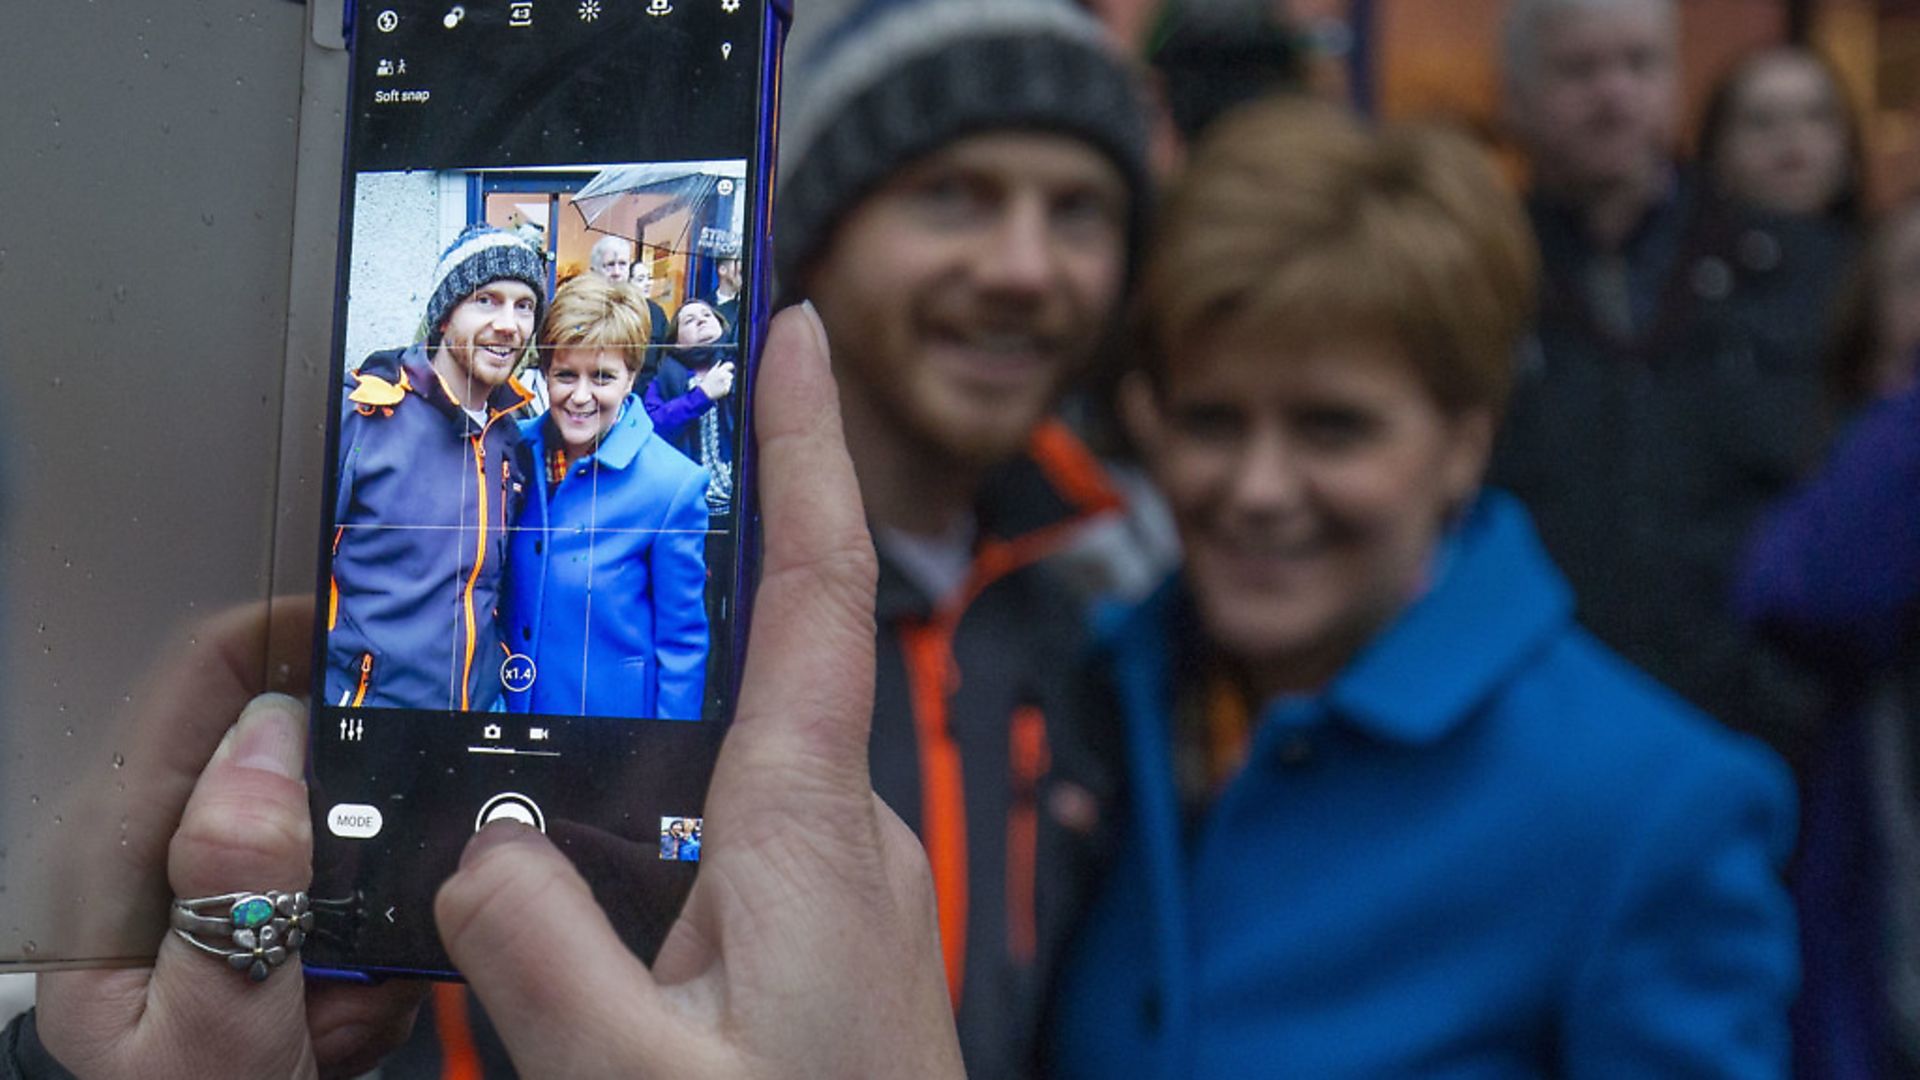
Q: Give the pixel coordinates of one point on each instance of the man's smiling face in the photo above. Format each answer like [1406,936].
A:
[484,336]
[962,294]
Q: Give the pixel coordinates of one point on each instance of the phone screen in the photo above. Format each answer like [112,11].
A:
[531,577]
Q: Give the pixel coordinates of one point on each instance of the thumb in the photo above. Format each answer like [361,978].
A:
[522,925]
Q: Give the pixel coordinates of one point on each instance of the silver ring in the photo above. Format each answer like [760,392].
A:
[253,932]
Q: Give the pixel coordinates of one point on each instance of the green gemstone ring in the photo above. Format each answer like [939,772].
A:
[253,932]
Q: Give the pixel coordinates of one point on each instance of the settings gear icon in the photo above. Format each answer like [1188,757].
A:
[589,10]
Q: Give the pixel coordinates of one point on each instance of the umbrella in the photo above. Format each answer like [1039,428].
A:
[626,199]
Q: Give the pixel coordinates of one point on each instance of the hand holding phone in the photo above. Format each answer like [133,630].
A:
[808,946]
[534,570]
[243,827]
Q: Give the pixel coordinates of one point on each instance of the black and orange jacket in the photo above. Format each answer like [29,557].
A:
[982,744]
[425,496]
[985,743]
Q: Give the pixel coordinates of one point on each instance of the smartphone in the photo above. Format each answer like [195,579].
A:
[539,514]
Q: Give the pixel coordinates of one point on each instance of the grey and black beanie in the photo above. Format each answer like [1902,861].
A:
[483,253]
[897,79]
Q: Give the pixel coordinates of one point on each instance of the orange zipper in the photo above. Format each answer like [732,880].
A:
[1030,760]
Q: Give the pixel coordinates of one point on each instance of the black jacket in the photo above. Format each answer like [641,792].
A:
[984,744]
[1646,457]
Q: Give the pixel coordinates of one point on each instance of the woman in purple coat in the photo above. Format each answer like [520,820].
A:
[606,570]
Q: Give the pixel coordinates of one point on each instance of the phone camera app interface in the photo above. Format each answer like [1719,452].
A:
[529,575]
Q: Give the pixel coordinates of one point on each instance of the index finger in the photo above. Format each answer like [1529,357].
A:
[807,701]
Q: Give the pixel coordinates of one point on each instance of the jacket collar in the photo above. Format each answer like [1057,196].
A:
[506,398]
[1028,509]
[1497,601]
[617,449]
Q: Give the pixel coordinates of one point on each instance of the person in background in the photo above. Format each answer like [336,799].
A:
[606,571]
[690,402]
[1877,334]
[726,294]
[684,398]
[641,277]
[1778,137]
[967,262]
[1392,812]
[611,259]
[1833,572]
[1672,386]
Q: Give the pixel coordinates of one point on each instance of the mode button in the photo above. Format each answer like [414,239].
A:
[355,821]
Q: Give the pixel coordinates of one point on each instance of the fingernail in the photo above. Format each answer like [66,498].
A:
[496,834]
[819,330]
[271,735]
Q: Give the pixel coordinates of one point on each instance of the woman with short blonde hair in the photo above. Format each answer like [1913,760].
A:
[1393,813]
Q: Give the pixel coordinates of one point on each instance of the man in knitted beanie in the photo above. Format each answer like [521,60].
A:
[962,185]
[428,486]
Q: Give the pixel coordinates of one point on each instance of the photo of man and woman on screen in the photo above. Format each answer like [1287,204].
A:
[535,474]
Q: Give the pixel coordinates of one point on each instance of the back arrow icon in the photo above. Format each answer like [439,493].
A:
[390,914]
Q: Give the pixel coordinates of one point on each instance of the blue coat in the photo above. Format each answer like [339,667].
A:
[606,578]
[1489,848]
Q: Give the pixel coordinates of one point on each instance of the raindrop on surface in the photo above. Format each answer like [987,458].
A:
[120,762]
[58,382]
[58,820]
[207,220]
[34,799]
[30,948]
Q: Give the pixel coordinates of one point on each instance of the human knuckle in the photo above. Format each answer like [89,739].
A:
[242,837]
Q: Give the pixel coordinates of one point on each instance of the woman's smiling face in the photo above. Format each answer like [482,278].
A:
[584,389]
[1310,485]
